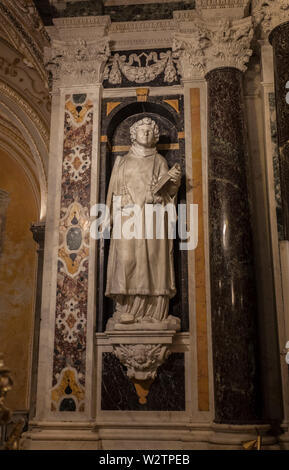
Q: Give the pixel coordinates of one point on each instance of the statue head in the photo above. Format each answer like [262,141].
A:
[145,132]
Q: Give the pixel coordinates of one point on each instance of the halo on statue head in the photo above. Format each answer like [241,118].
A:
[146,121]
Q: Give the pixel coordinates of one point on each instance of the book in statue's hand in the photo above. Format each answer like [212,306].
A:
[164,180]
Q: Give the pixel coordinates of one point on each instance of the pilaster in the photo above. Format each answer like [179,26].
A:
[66,365]
[38,232]
[272,17]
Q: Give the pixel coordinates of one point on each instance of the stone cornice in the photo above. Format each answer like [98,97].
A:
[83,21]
[270,13]
[141,26]
[142,34]
[212,45]
[219,8]
[199,46]
[77,62]
[83,27]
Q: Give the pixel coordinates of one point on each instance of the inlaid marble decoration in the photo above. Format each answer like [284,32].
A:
[72,271]
[276,167]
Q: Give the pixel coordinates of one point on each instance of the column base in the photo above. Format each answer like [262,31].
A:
[177,436]
[60,436]
[284,437]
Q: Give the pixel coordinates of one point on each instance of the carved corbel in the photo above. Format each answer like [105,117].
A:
[142,362]
[142,353]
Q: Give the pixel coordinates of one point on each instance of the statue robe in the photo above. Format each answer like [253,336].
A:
[140,274]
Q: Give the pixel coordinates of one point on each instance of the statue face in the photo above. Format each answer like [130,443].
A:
[145,135]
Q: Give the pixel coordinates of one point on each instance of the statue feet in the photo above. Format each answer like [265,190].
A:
[126,322]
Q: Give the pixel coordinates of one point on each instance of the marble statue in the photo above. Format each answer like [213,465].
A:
[140,274]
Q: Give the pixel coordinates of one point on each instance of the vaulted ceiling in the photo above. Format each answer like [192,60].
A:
[24,94]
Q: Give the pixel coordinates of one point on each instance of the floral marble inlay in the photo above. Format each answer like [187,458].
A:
[72,273]
[71,321]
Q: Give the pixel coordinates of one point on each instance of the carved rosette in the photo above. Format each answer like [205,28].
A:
[270,13]
[209,46]
[141,360]
[77,62]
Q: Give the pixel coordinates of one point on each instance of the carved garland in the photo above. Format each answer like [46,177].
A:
[142,360]
[134,70]
[37,155]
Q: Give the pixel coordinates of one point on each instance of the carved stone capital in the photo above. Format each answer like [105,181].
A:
[189,49]
[208,46]
[141,360]
[270,13]
[78,62]
[4,201]
[230,44]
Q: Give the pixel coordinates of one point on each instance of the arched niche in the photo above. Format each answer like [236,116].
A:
[116,141]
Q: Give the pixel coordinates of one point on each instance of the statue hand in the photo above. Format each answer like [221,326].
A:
[175,174]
